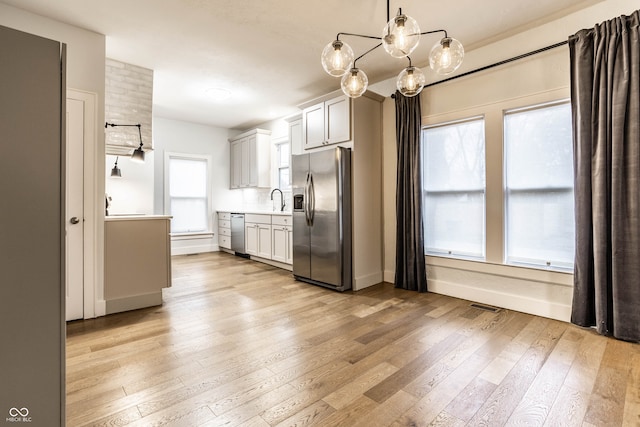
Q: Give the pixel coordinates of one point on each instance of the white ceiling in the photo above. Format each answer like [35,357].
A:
[267,52]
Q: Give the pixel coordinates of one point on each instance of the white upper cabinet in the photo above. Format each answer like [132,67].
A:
[295,134]
[327,122]
[251,159]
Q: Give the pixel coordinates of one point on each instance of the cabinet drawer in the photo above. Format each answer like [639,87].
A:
[224,231]
[224,215]
[281,220]
[257,218]
[224,242]
[224,223]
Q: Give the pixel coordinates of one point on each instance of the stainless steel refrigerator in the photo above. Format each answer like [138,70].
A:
[322,218]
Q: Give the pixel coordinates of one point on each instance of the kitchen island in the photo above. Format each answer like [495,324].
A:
[137,261]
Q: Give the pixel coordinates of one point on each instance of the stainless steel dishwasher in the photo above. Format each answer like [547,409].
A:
[237,233]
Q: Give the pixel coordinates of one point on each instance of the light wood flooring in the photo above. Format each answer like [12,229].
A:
[241,343]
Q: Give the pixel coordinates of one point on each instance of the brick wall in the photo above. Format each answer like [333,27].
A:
[128,100]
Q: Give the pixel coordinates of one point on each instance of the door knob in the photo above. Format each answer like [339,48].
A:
[74,220]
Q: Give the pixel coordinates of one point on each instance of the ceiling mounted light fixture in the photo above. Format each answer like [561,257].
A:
[399,38]
[138,153]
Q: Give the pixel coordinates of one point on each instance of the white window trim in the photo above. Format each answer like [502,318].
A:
[275,170]
[167,199]
[523,262]
[493,113]
[480,190]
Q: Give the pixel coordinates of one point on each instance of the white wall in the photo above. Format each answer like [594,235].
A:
[183,137]
[538,78]
[133,193]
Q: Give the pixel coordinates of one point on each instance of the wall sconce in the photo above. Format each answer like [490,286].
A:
[138,153]
[116,172]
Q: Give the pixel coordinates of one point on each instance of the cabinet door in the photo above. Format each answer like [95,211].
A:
[337,120]
[313,126]
[264,241]
[295,137]
[244,160]
[251,238]
[252,161]
[236,164]
[279,243]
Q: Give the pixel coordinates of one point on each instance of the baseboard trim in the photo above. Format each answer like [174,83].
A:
[272,262]
[367,280]
[133,302]
[510,301]
[193,249]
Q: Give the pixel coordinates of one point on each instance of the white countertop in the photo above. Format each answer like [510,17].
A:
[134,217]
[257,211]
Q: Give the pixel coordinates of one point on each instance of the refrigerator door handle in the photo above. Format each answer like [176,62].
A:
[312,201]
[306,200]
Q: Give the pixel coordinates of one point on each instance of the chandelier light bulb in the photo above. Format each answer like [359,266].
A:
[410,81]
[337,58]
[446,56]
[354,83]
[401,35]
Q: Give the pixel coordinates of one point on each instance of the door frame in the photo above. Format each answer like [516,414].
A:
[90,214]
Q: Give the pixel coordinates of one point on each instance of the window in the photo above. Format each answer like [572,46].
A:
[283,157]
[454,188]
[188,200]
[539,226]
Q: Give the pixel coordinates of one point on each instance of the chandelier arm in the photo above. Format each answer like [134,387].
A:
[435,31]
[357,35]
[370,50]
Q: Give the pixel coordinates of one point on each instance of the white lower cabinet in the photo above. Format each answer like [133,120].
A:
[257,235]
[281,243]
[282,239]
[224,230]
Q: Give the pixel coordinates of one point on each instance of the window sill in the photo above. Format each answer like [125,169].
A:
[564,278]
[192,236]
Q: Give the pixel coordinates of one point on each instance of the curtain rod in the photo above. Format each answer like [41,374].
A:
[506,61]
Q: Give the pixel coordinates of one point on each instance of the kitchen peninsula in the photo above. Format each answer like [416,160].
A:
[137,261]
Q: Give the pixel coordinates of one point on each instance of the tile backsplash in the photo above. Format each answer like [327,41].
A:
[260,199]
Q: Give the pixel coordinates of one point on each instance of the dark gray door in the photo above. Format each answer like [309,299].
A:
[32,84]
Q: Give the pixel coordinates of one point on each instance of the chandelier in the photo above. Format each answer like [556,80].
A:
[400,37]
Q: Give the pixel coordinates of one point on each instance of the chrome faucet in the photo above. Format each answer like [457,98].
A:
[281,198]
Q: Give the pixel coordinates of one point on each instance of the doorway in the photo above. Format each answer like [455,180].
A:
[80,219]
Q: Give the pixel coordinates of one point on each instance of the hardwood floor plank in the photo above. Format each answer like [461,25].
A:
[356,388]
[314,414]
[607,400]
[569,408]
[386,413]
[502,402]
[631,414]
[406,374]
[240,343]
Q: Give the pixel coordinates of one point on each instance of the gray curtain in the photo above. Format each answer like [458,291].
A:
[410,266]
[605,98]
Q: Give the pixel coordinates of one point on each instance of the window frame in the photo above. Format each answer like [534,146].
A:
[482,191]
[277,144]
[506,192]
[167,185]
